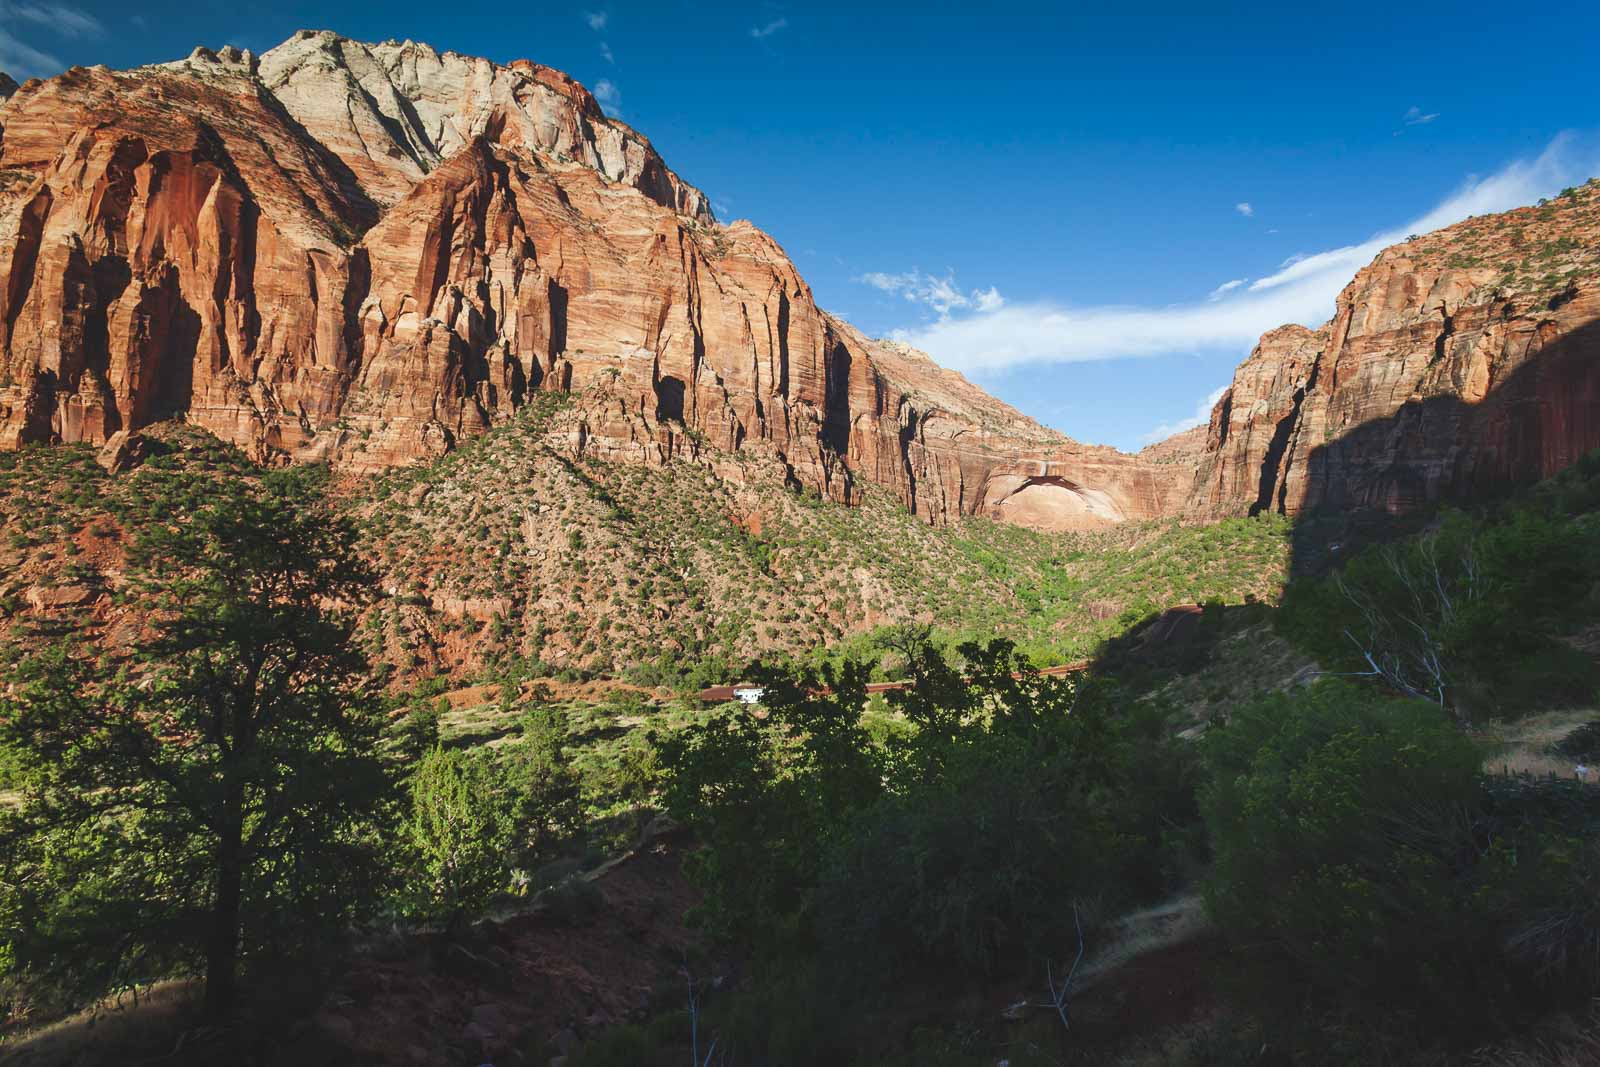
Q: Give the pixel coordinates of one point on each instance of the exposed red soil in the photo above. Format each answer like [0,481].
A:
[516,990]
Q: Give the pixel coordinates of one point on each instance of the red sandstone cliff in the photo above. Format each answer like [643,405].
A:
[1462,361]
[367,252]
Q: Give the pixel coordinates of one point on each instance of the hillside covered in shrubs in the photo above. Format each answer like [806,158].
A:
[1307,825]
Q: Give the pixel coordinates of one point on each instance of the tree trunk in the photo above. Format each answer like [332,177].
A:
[222,943]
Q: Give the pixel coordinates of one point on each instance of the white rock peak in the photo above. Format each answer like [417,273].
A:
[394,111]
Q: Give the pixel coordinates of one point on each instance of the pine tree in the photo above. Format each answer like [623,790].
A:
[210,792]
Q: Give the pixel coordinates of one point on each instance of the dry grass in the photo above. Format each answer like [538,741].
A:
[128,1028]
[1527,746]
[1559,1041]
[1167,925]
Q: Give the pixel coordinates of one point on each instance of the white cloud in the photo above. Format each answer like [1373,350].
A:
[1225,288]
[940,294]
[59,19]
[610,97]
[1303,291]
[1244,208]
[22,61]
[987,299]
[1415,117]
[605,53]
[596,19]
[1200,417]
[758,32]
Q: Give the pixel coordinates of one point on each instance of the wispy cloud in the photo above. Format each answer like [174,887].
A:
[1225,288]
[605,53]
[940,294]
[22,60]
[1244,208]
[59,19]
[1302,290]
[1200,417]
[759,32]
[596,19]
[1415,117]
[610,97]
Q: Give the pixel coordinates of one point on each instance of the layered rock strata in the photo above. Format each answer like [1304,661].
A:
[366,253]
[1459,363]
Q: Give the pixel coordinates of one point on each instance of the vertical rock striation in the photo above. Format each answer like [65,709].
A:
[1459,363]
[365,253]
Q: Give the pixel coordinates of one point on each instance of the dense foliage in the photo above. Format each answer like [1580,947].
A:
[1364,863]
[214,789]
[1471,613]
[1011,809]
[211,773]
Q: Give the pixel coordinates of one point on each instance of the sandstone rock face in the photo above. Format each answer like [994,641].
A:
[1181,449]
[394,111]
[1462,362]
[366,253]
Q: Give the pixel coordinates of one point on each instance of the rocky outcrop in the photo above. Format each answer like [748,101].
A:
[1459,363]
[178,247]
[394,111]
[366,253]
[1183,448]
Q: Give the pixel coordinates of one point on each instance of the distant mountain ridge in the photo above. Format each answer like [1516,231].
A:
[366,253]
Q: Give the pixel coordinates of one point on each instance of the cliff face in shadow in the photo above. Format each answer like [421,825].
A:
[1458,364]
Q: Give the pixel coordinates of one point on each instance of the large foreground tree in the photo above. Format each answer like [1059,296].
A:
[207,794]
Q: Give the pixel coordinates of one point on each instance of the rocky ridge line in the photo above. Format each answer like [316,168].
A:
[366,253]
[1459,363]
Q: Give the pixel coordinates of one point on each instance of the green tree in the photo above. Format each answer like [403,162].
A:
[966,835]
[542,787]
[213,791]
[763,790]
[1342,829]
[461,832]
[1467,615]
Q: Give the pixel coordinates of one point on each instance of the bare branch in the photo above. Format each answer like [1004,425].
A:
[1058,997]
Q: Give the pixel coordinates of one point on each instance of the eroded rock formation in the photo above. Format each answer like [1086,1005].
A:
[1461,362]
[368,252]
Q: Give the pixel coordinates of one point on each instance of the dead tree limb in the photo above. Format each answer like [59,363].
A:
[1058,996]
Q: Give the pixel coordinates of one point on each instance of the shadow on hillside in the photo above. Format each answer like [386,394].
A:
[1165,644]
[1389,476]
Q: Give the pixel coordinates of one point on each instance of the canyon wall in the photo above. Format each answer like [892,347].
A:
[366,253]
[1459,363]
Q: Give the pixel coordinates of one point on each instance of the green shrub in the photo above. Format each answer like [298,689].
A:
[1583,743]
[459,833]
[1467,615]
[1336,819]
[1364,862]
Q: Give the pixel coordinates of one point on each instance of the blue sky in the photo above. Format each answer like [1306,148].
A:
[1045,198]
